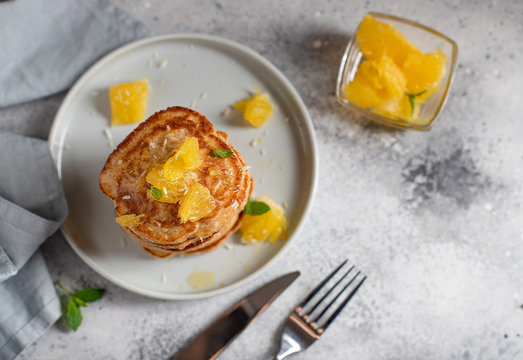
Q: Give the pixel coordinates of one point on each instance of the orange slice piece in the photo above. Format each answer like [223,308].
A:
[128,102]
[423,71]
[187,157]
[361,92]
[272,224]
[171,191]
[129,220]
[377,38]
[197,203]
[256,109]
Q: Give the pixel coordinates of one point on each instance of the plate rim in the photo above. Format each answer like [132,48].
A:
[57,147]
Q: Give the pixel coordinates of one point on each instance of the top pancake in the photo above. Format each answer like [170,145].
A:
[151,144]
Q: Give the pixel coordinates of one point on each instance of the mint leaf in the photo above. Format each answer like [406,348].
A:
[412,103]
[411,100]
[63,288]
[156,193]
[79,298]
[74,315]
[79,302]
[256,208]
[223,153]
[89,295]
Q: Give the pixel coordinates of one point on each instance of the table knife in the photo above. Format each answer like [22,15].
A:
[213,340]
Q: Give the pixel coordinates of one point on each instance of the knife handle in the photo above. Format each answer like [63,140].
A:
[211,342]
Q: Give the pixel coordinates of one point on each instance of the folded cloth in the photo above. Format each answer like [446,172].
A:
[32,207]
[46,45]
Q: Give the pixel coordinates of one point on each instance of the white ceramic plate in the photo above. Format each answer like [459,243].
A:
[207,74]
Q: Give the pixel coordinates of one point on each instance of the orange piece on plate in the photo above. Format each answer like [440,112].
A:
[129,220]
[256,109]
[128,102]
[187,157]
[197,203]
[172,191]
[272,224]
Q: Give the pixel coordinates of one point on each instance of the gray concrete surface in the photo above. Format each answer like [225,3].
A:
[435,219]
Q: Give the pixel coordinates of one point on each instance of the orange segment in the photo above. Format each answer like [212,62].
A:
[375,83]
[423,71]
[190,153]
[187,157]
[398,108]
[376,39]
[391,76]
[129,220]
[197,203]
[174,178]
[272,224]
[128,102]
[361,92]
[386,75]
[257,109]
[369,72]
[172,190]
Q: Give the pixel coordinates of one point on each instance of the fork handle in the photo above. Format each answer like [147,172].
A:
[288,346]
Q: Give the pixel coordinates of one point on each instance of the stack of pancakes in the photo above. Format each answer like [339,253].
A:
[160,230]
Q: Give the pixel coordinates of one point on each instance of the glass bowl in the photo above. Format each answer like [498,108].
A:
[426,39]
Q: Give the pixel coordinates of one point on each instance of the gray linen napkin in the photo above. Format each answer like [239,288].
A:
[45,46]
[32,207]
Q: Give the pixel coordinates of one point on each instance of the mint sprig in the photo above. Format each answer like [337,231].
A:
[156,193]
[74,315]
[77,299]
[411,100]
[223,153]
[256,207]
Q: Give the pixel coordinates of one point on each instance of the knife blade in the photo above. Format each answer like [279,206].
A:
[215,338]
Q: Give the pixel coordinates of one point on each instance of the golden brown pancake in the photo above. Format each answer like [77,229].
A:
[161,232]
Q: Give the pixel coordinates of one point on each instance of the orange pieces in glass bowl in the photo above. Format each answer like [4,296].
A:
[396,77]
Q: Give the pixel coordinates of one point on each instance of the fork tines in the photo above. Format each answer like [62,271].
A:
[319,313]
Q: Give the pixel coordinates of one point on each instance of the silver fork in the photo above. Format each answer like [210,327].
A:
[302,327]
